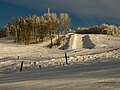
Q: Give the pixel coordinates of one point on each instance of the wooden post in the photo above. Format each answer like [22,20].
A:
[21,66]
[66,58]
[18,57]
[40,66]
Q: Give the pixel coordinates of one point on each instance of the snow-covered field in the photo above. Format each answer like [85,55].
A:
[85,76]
[94,62]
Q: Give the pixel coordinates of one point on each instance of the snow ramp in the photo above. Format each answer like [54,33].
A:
[78,41]
[89,41]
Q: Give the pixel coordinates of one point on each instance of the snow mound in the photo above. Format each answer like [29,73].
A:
[89,41]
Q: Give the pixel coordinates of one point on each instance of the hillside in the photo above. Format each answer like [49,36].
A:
[80,42]
[87,41]
[77,47]
[93,62]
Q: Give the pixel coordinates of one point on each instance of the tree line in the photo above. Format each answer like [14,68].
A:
[101,29]
[36,29]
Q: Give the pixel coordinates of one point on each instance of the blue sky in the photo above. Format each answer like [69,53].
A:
[83,13]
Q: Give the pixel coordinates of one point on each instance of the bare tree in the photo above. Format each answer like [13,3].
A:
[36,28]
[64,20]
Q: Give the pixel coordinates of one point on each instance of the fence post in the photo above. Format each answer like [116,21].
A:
[21,66]
[66,58]
[18,57]
[40,66]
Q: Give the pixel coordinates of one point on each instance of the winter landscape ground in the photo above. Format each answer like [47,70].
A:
[94,64]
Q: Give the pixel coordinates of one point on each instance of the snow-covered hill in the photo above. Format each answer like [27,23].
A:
[97,55]
[79,48]
[89,41]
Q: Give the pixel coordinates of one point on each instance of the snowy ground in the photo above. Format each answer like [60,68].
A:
[85,76]
[94,62]
[79,48]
